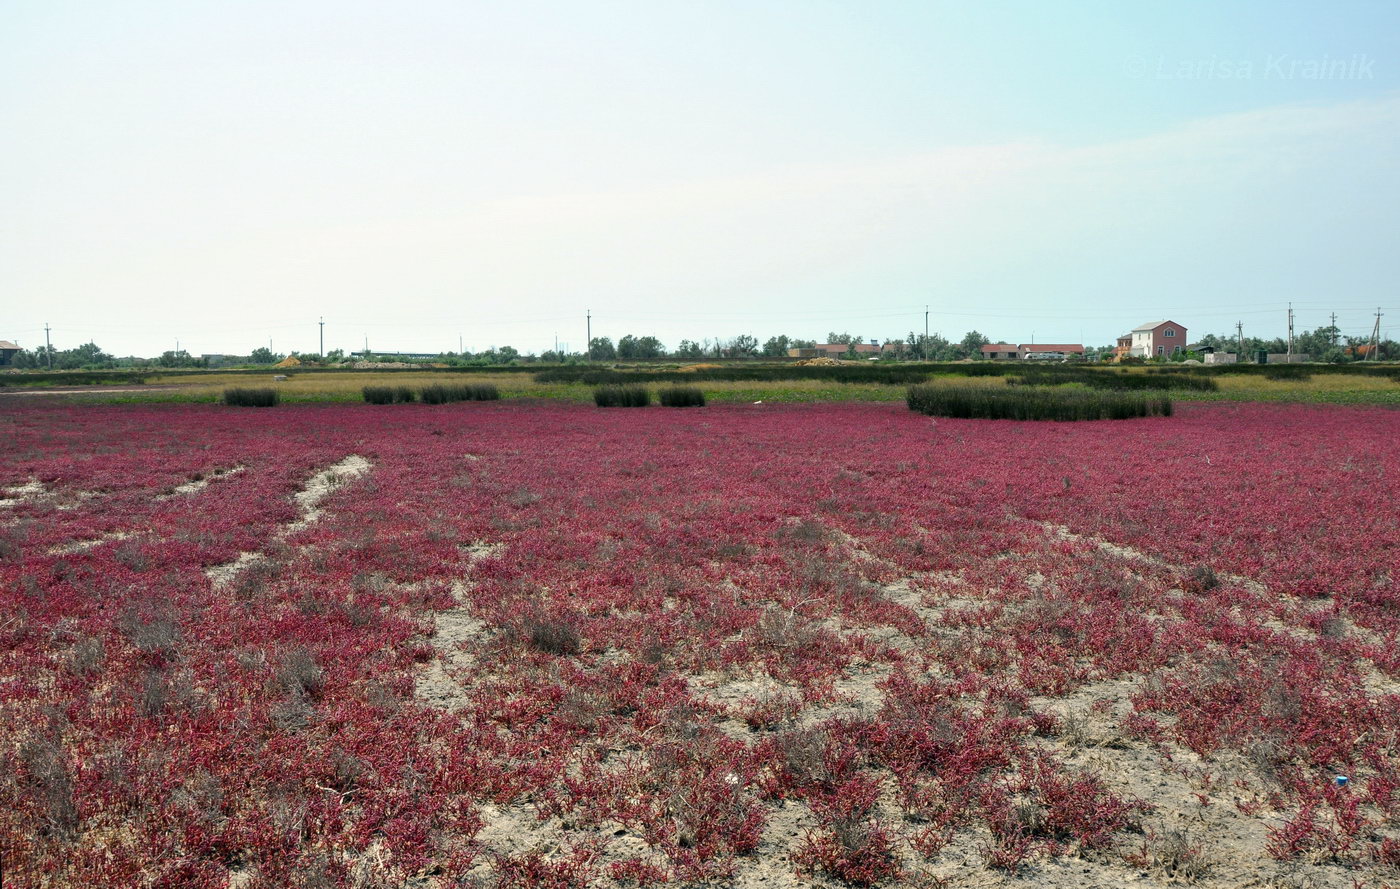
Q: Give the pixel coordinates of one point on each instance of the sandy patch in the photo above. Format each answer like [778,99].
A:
[1129,554]
[457,636]
[322,485]
[318,488]
[194,486]
[26,493]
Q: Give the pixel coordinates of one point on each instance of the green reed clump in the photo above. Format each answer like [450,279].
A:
[1034,403]
[242,397]
[622,396]
[681,396]
[388,394]
[442,393]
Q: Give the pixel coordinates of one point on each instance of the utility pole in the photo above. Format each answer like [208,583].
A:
[588,347]
[1376,337]
[323,336]
[1334,330]
[924,351]
[460,347]
[1290,333]
[1239,332]
[48,346]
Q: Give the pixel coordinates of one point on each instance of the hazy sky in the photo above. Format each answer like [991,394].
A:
[226,173]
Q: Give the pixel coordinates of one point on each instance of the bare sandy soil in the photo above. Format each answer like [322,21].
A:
[1196,831]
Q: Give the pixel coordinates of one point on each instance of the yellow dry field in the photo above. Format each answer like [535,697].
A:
[338,386]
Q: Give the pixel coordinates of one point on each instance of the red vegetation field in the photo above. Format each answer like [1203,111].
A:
[520,644]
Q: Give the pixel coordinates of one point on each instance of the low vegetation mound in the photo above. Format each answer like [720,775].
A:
[388,394]
[622,396]
[1034,403]
[242,397]
[441,393]
[839,372]
[1116,381]
[681,396]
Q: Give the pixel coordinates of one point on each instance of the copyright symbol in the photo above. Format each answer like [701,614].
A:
[1136,66]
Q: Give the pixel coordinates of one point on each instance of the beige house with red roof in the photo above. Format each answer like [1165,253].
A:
[8,351]
[1000,350]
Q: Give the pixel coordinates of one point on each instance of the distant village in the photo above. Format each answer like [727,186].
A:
[1165,340]
[1152,339]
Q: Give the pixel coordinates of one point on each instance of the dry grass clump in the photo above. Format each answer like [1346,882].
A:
[554,636]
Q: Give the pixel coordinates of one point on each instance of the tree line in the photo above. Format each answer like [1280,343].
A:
[1323,344]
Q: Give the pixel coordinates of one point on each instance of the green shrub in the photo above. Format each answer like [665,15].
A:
[239,397]
[622,396]
[681,396]
[1034,403]
[388,394]
[440,393]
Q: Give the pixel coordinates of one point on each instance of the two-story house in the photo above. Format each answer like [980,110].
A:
[1155,338]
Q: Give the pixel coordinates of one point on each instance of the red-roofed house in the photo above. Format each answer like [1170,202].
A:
[8,351]
[1000,350]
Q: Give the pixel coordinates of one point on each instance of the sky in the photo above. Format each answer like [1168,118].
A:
[427,176]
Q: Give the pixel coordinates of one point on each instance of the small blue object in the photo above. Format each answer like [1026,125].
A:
[1342,780]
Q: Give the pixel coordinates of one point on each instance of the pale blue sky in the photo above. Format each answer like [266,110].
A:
[226,173]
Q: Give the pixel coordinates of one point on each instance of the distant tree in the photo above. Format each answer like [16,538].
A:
[39,358]
[742,346]
[178,358]
[631,348]
[335,355]
[690,350]
[1317,342]
[600,348]
[1219,342]
[262,355]
[932,347]
[776,347]
[86,355]
[971,345]
[802,344]
[844,339]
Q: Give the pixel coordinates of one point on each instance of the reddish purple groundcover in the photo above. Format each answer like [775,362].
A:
[314,644]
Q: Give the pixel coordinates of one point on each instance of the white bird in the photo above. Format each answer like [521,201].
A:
[760,401]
